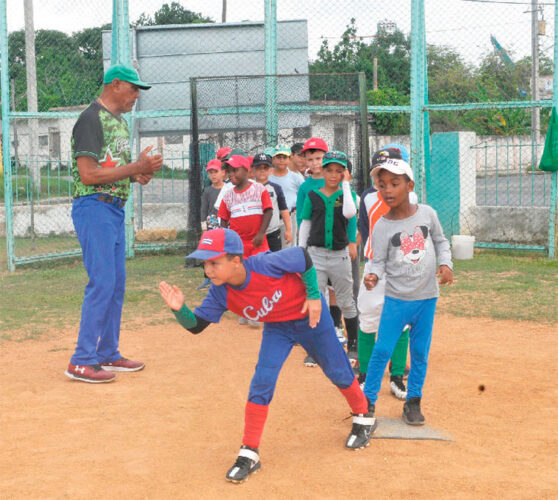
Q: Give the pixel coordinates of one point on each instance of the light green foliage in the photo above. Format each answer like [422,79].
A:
[450,80]
[172,14]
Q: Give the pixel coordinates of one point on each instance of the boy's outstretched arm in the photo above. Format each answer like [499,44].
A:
[174,298]
[172,295]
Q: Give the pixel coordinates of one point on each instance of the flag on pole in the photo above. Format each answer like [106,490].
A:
[549,160]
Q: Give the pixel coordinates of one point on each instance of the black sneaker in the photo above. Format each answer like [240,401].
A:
[361,379]
[364,425]
[310,361]
[397,387]
[411,412]
[247,462]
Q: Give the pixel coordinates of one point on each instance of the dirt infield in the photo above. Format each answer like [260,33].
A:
[173,430]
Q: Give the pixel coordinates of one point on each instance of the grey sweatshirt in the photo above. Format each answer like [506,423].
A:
[406,251]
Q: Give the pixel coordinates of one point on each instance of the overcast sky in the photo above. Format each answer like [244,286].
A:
[464,25]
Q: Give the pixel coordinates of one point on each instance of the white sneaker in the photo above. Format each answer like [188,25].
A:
[397,387]
[340,336]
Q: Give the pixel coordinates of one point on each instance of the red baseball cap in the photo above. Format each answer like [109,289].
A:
[250,160]
[223,152]
[237,161]
[315,143]
[217,242]
[214,164]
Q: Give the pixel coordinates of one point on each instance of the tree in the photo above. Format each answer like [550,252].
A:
[389,123]
[70,67]
[172,14]
[67,75]
[390,47]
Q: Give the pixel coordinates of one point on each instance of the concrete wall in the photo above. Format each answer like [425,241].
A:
[516,225]
[524,226]
[56,219]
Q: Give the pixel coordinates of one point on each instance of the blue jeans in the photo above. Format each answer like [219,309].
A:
[321,343]
[100,230]
[397,313]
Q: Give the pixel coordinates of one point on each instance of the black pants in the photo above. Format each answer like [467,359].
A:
[274,240]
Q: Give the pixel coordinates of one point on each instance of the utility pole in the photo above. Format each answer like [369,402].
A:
[31,73]
[535,112]
[224,12]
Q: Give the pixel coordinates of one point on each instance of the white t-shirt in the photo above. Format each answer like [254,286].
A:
[290,184]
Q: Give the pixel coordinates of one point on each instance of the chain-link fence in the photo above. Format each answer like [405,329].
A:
[466,85]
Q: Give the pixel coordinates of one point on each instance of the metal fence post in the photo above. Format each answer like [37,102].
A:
[270,29]
[194,174]
[120,54]
[6,156]
[363,179]
[417,94]
[554,178]
[426,114]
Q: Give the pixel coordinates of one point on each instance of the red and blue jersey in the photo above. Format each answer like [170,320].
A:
[273,290]
[244,209]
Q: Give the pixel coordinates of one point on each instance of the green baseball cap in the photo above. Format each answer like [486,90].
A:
[335,157]
[236,152]
[125,74]
[281,149]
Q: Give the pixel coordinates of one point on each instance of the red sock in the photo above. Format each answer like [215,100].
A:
[254,421]
[355,397]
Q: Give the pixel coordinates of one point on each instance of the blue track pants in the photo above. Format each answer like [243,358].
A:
[321,343]
[100,230]
[397,313]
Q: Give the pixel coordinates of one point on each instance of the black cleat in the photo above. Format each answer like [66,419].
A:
[310,361]
[411,412]
[364,425]
[247,462]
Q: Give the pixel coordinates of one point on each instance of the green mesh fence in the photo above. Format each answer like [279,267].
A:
[471,104]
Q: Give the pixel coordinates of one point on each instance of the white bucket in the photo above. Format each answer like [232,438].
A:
[462,246]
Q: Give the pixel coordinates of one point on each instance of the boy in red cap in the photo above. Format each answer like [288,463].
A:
[209,196]
[313,150]
[281,290]
[223,152]
[246,208]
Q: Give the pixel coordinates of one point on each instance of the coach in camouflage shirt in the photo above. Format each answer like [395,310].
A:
[102,171]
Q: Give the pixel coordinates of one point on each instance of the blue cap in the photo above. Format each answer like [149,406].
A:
[402,149]
[217,242]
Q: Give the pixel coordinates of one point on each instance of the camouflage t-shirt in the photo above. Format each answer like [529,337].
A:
[106,138]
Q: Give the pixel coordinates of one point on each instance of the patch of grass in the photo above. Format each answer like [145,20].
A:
[45,297]
[504,285]
[48,296]
[50,187]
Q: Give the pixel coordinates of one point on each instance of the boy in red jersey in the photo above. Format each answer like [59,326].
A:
[279,289]
[246,208]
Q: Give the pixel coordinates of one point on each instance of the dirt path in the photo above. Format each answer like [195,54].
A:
[173,430]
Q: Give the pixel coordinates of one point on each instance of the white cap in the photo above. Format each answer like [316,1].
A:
[395,166]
